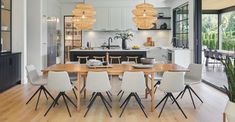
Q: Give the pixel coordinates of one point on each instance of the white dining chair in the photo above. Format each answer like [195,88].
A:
[37,80]
[60,82]
[133,82]
[120,77]
[194,76]
[172,82]
[229,111]
[98,82]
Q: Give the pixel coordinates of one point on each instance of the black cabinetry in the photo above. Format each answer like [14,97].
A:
[10,70]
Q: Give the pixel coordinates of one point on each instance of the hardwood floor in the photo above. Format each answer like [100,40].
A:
[13,108]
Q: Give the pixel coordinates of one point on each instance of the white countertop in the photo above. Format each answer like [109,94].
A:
[114,50]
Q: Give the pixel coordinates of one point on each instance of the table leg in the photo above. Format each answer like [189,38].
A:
[78,92]
[152,90]
[146,90]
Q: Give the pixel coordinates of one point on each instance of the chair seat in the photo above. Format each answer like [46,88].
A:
[40,81]
[191,81]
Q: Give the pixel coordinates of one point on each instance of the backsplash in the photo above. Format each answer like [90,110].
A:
[98,38]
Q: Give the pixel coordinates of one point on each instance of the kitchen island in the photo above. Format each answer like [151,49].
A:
[74,53]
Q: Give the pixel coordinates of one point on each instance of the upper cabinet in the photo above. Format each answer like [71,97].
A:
[114,19]
[5,20]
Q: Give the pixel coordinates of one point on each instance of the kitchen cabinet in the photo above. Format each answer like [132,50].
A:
[10,70]
[102,19]
[114,19]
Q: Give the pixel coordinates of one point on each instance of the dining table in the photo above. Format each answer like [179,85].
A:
[115,70]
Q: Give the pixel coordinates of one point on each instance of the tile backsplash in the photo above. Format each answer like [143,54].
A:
[97,38]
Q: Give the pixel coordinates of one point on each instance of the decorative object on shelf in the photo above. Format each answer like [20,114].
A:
[2,4]
[160,15]
[4,28]
[124,36]
[149,42]
[83,16]
[135,47]
[163,26]
[144,15]
[230,90]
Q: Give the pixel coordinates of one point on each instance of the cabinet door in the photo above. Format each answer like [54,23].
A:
[102,19]
[116,19]
[128,19]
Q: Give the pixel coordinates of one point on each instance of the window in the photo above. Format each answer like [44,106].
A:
[228,31]
[180,31]
[210,31]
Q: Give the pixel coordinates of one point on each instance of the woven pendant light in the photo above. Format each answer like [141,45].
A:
[144,15]
[83,16]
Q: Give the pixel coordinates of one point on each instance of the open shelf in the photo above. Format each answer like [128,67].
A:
[164,17]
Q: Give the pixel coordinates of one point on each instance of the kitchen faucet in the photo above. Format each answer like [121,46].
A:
[110,40]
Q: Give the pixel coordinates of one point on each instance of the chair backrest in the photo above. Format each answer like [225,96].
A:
[59,81]
[206,52]
[229,111]
[195,72]
[133,82]
[32,74]
[98,82]
[172,82]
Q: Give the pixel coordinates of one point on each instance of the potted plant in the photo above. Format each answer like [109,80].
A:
[229,113]
[124,36]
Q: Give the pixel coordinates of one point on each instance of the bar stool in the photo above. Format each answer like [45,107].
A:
[118,58]
[82,57]
[133,58]
[102,58]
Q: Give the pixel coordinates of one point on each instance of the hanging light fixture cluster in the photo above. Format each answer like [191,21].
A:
[83,16]
[145,15]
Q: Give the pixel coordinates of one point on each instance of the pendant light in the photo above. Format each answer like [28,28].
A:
[145,15]
[83,16]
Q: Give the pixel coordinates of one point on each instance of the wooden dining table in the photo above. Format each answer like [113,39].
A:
[114,70]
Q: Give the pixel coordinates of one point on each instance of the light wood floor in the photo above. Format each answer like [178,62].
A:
[13,108]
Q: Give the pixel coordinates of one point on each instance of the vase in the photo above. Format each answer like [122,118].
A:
[229,112]
[124,45]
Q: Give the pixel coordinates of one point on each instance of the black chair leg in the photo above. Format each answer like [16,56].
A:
[48,93]
[66,104]
[103,100]
[107,102]
[163,106]
[183,92]
[160,101]
[75,94]
[140,104]
[192,98]
[195,94]
[109,96]
[125,106]
[93,94]
[110,93]
[178,96]
[45,93]
[33,95]
[178,105]
[125,101]
[90,104]
[119,92]
[139,99]
[70,101]
[38,99]
[54,103]
[121,96]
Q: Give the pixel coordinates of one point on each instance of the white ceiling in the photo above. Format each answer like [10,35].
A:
[217,4]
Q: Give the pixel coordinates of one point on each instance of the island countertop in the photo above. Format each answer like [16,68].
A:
[145,49]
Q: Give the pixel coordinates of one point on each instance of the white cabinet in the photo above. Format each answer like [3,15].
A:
[115,19]
[102,19]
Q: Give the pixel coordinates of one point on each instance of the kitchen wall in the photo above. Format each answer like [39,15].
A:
[97,38]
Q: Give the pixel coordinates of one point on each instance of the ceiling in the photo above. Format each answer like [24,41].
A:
[217,4]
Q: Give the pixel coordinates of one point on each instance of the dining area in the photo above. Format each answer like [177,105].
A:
[136,81]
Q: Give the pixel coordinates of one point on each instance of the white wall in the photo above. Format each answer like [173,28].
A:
[97,38]
[177,3]
[19,33]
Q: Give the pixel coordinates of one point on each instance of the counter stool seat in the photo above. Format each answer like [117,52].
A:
[118,58]
[102,58]
[132,58]
[82,57]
